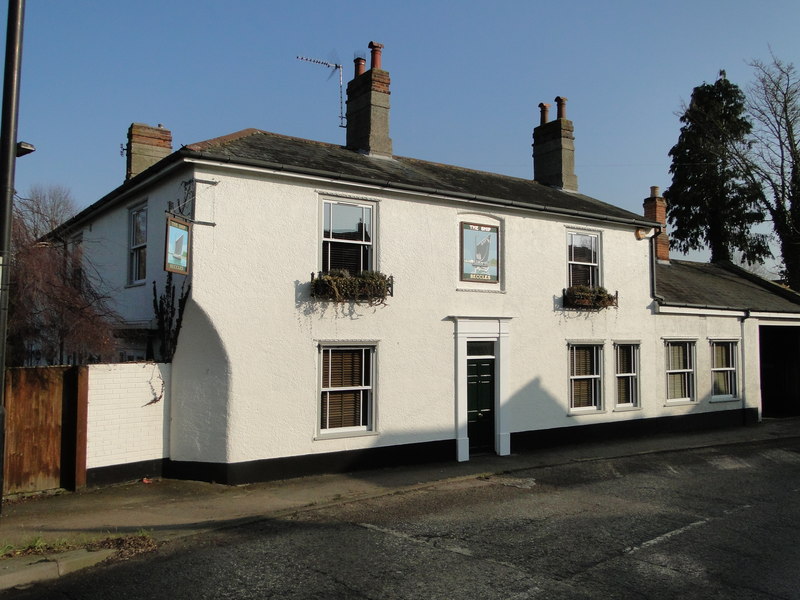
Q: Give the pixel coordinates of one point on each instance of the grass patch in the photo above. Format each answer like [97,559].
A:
[126,546]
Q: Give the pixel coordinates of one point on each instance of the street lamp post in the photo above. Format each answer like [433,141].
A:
[8,157]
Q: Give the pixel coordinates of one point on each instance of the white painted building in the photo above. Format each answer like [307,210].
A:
[476,350]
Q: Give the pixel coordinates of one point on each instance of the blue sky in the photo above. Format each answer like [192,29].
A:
[466,77]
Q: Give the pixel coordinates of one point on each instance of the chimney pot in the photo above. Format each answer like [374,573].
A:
[561,104]
[375,56]
[655,192]
[360,63]
[544,113]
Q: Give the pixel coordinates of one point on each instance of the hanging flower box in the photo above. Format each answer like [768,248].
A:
[588,298]
[368,287]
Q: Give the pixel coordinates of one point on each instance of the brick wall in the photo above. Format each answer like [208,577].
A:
[128,413]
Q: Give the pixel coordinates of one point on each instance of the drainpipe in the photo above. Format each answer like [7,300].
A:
[653,262]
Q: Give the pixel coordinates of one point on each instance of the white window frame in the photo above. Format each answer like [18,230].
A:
[595,272]
[328,208]
[366,388]
[631,377]
[689,374]
[732,372]
[595,379]
[137,250]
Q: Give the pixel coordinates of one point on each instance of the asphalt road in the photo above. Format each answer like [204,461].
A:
[718,523]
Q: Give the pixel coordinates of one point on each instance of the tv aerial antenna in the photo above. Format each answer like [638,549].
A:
[335,67]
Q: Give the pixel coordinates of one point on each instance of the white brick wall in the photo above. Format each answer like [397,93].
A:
[128,417]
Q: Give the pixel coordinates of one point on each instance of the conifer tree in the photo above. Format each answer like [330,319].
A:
[711,203]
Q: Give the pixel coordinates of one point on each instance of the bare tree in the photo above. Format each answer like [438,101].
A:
[771,159]
[56,314]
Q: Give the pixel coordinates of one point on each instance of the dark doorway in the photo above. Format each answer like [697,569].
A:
[480,396]
[780,371]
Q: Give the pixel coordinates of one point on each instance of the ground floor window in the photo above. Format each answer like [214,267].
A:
[346,402]
[627,372]
[723,368]
[585,382]
[680,370]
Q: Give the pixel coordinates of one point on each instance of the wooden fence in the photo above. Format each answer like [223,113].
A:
[45,441]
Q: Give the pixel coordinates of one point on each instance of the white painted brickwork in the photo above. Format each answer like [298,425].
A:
[128,419]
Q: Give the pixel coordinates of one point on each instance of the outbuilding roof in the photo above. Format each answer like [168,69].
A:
[720,285]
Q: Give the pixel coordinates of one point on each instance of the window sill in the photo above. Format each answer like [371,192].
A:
[338,435]
[136,284]
[481,290]
[577,412]
[626,408]
[680,402]
[716,399]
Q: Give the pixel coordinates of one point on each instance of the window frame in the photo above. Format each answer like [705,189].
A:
[595,378]
[137,250]
[326,242]
[595,270]
[688,374]
[732,371]
[631,376]
[367,387]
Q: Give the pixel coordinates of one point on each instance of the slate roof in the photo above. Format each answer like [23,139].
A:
[721,285]
[257,147]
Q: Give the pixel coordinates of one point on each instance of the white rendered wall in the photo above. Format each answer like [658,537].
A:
[246,377]
[128,413]
[106,249]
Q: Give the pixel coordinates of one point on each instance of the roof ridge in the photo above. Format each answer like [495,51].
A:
[237,135]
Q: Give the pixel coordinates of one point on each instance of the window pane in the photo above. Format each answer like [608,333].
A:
[343,368]
[722,356]
[677,385]
[582,275]
[678,356]
[583,248]
[352,258]
[624,391]
[349,223]
[625,359]
[480,348]
[583,361]
[342,409]
[326,227]
[723,384]
[582,393]
[139,227]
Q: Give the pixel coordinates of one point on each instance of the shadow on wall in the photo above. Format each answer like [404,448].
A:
[200,391]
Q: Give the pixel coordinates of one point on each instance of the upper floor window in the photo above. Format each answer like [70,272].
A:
[137,244]
[723,368]
[347,237]
[680,371]
[583,259]
[585,371]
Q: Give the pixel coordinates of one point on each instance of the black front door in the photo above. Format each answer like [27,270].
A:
[480,396]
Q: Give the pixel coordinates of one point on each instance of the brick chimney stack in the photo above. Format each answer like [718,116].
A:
[655,209]
[368,107]
[146,146]
[554,148]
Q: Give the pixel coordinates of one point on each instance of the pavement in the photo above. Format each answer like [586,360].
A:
[164,509]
